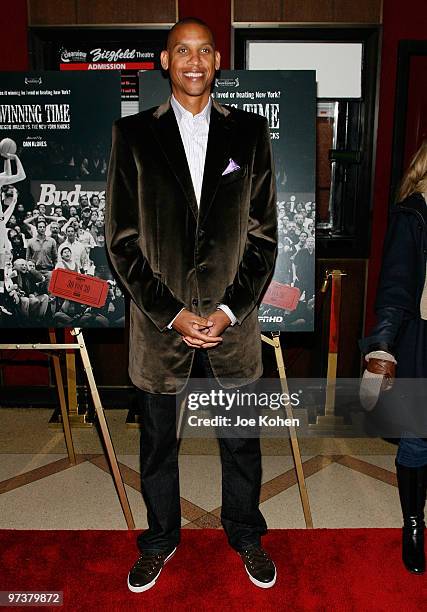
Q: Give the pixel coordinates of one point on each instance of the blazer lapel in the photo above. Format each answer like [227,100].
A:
[217,154]
[167,134]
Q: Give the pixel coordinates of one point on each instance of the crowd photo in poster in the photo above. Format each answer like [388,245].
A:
[54,147]
[287,98]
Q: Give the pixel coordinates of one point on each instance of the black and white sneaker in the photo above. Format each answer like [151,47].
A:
[259,567]
[146,570]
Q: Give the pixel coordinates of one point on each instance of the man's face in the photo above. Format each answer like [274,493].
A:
[191,60]
[21,265]
[66,254]
[310,243]
[41,227]
[31,266]
[70,233]
[54,228]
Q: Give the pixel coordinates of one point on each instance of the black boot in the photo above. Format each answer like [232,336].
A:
[412,492]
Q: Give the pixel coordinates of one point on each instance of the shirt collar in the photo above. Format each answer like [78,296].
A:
[181,112]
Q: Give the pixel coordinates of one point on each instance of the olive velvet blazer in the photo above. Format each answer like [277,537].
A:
[170,254]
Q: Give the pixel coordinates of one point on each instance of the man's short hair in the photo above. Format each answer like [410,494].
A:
[185,21]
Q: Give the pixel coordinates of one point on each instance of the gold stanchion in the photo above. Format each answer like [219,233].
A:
[81,346]
[275,343]
[329,421]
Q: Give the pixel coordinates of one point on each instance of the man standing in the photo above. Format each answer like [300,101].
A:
[303,266]
[42,250]
[77,249]
[191,231]
[54,232]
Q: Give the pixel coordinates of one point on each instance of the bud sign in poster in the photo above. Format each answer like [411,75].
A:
[288,101]
[55,133]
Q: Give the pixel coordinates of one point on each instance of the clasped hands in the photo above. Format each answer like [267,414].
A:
[201,332]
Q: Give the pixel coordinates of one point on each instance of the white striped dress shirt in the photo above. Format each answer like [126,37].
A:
[194,130]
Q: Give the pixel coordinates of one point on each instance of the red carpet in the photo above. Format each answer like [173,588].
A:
[333,570]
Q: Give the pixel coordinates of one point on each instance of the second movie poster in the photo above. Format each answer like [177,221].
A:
[287,98]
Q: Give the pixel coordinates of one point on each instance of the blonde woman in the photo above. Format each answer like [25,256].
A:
[397,346]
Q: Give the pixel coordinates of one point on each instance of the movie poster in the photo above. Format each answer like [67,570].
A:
[55,133]
[288,100]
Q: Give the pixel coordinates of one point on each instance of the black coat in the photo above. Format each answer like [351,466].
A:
[400,329]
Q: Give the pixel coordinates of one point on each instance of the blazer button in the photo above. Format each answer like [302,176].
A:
[195,301]
[202,268]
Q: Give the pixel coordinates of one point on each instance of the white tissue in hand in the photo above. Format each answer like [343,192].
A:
[370,388]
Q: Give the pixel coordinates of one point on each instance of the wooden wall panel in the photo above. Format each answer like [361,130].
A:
[254,10]
[362,11]
[311,10]
[126,11]
[46,12]
[72,12]
[332,11]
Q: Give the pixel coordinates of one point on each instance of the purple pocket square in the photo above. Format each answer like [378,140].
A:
[232,167]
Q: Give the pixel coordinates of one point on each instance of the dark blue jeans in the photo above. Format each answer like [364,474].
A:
[412,452]
[241,475]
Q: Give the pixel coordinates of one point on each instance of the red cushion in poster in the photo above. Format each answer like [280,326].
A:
[81,288]
[282,296]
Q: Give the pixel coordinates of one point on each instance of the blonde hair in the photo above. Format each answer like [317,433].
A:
[415,178]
